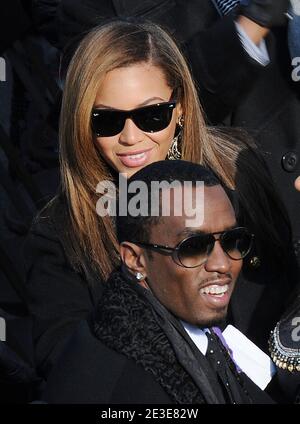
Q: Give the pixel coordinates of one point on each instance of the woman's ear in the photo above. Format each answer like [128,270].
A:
[133,257]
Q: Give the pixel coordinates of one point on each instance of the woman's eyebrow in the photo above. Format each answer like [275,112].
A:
[151,99]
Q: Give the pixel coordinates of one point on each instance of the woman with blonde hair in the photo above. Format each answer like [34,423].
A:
[129,100]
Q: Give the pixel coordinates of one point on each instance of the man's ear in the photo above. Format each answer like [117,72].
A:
[133,257]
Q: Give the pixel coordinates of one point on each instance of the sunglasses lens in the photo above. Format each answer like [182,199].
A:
[194,250]
[154,118]
[107,123]
[236,243]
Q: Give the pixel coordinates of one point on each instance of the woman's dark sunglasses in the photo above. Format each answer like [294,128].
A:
[194,250]
[152,118]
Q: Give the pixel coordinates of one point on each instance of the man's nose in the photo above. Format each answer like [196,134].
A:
[131,134]
[218,260]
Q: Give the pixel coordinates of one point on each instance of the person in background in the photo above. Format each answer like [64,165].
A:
[294,29]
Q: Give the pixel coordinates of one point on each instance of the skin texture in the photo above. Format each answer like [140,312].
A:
[252,29]
[297,183]
[176,287]
[125,89]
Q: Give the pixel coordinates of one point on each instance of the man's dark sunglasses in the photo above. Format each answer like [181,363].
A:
[194,250]
[152,118]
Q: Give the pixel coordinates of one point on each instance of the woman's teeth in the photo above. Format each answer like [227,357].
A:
[135,160]
[138,156]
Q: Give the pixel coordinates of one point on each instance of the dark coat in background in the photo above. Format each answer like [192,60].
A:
[14,23]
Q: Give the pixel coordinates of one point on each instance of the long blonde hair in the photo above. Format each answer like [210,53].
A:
[114,45]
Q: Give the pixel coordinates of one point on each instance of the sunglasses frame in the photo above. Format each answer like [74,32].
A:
[130,114]
[173,251]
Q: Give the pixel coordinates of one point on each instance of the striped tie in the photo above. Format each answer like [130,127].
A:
[225,6]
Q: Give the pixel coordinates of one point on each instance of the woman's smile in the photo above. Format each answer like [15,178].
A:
[136,158]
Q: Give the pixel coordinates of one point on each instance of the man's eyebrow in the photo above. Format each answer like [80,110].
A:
[145,103]
[189,231]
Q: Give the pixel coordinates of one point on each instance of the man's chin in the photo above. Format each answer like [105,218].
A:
[216,323]
[216,320]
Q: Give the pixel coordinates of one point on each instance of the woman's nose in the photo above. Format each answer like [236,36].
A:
[131,134]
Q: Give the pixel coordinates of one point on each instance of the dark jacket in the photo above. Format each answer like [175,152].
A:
[14,24]
[58,295]
[134,350]
[90,372]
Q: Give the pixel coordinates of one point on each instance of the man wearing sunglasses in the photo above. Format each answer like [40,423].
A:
[153,337]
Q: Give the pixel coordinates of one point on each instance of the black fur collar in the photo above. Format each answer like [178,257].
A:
[125,322]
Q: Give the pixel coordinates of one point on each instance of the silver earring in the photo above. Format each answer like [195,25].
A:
[174,152]
[181,121]
[139,276]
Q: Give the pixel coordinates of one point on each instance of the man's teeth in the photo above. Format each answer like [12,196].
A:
[138,156]
[214,289]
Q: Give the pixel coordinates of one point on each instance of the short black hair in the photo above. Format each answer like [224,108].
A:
[138,228]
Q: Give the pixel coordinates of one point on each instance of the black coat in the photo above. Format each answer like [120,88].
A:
[58,296]
[90,372]
[14,24]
